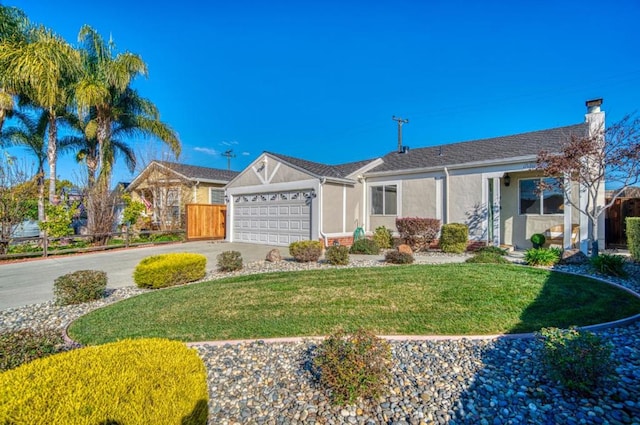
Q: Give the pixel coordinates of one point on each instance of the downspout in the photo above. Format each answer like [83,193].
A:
[320,201]
[364,201]
[445,218]
[195,192]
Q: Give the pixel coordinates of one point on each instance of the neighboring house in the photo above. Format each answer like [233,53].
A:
[166,187]
[489,184]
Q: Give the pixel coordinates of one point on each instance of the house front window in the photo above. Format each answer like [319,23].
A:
[384,200]
[216,196]
[533,200]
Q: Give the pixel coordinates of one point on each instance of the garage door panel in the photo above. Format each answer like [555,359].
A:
[272,218]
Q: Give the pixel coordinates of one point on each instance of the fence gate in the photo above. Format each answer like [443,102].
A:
[206,221]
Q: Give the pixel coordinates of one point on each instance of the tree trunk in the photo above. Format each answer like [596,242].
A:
[41,195]
[52,155]
[594,237]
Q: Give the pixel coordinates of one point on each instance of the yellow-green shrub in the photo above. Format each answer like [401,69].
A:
[160,271]
[144,381]
[305,251]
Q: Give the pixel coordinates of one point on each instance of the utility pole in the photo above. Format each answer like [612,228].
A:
[229,154]
[400,121]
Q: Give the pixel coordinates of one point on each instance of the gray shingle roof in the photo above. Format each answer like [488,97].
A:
[495,148]
[323,170]
[195,172]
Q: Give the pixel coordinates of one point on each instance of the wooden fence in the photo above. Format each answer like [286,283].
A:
[206,221]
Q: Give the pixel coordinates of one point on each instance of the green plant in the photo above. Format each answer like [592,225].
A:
[492,249]
[397,257]
[109,384]
[132,211]
[160,271]
[541,257]
[353,365]
[365,246]
[58,222]
[229,261]
[579,359]
[23,346]
[454,238]
[609,264]
[633,236]
[418,232]
[337,255]
[538,239]
[79,287]
[383,237]
[306,251]
[488,257]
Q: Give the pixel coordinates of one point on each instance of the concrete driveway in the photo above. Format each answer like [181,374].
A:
[31,282]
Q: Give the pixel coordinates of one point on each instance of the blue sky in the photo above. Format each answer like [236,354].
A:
[321,80]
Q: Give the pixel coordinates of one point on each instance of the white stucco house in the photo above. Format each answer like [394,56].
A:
[489,184]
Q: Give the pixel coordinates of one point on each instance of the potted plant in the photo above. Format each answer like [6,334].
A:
[538,239]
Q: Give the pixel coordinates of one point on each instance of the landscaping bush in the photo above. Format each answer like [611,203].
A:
[418,232]
[383,237]
[488,257]
[633,237]
[492,250]
[337,255]
[578,359]
[365,246]
[541,257]
[397,257]
[538,239]
[79,287]
[160,271]
[229,261]
[306,251]
[609,264]
[353,365]
[143,381]
[454,238]
[23,346]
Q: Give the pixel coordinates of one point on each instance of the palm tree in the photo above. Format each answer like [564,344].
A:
[113,107]
[13,24]
[43,67]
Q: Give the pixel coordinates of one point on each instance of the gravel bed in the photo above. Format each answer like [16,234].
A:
[458,381]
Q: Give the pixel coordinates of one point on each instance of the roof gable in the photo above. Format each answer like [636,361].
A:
[195,172]
[340,171]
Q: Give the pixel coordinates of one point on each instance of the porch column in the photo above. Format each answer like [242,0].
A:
[583,233]
[566,242]
[495,205]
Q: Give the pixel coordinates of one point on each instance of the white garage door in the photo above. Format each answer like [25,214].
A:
[272,218]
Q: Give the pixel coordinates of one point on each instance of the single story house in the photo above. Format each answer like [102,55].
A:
[166,187]
[489,184]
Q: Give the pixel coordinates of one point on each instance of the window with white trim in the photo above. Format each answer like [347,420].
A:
[216,196]
[533,200]
[384,200]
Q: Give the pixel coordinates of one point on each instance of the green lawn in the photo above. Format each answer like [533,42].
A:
[418,299]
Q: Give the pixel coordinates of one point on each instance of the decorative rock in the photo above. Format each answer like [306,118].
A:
[573,256]
[274,256]
[405,249]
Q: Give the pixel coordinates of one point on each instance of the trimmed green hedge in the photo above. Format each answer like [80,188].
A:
[633,237]
[143,381]
[161,271]
[454,238]
[80,287]
[306,251]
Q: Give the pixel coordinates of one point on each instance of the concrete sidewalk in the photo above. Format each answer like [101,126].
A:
[30,282]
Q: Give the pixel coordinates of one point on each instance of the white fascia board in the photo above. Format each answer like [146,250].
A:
[369,166]
[274,187]
[248,167]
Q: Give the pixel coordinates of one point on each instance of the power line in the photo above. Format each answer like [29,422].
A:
[400,122]
[229,154]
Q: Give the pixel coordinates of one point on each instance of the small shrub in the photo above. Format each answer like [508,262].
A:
[306,251]
[538,239]
[454,238]
[229,261]
[337,255]
[353,365]
[397,257]
[492,250]
[418,232]
[109,384]
[579,359]
[609,264]
[79,287]
[633,237]
[23,346]
[383,237]
[160,271]
[365,246]
[488,257]
[541,257]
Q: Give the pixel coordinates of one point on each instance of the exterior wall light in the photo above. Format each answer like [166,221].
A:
[507,180]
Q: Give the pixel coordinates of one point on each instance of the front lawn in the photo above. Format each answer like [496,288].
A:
[419,299]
